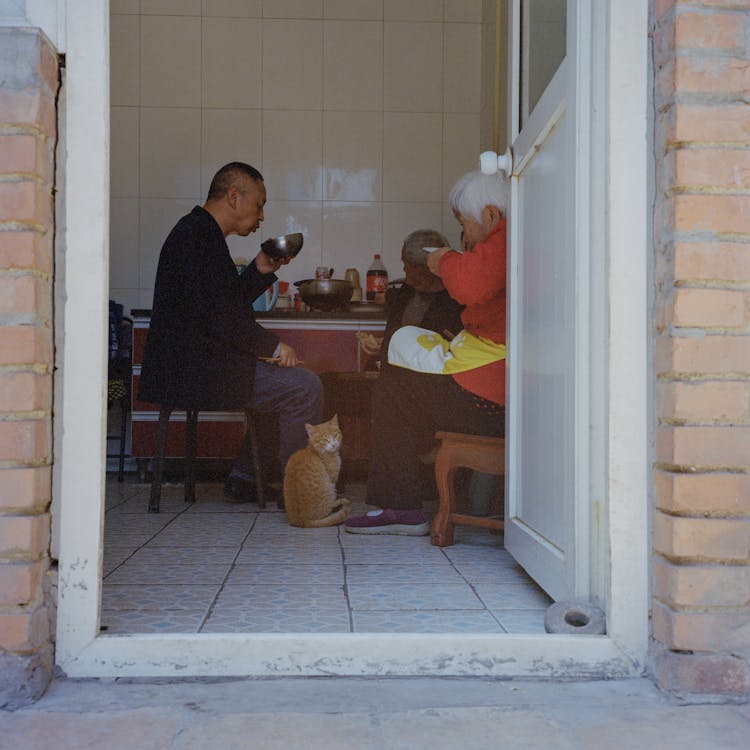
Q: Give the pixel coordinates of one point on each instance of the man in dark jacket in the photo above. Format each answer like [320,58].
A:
[204,343]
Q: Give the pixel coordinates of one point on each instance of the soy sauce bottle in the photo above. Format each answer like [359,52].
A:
[377,280]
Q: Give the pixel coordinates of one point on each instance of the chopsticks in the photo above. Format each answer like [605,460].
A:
[276,360]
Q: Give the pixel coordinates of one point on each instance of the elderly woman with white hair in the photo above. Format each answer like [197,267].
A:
[436,384]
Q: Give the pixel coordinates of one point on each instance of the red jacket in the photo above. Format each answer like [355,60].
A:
[477,279]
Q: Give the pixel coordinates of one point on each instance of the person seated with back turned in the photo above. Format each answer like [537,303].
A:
[433,384]
[421,300]
[203,343]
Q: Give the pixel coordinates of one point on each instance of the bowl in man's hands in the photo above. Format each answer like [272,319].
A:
[284,246]
[325,295]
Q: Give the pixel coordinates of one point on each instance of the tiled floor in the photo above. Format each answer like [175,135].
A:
[216,567]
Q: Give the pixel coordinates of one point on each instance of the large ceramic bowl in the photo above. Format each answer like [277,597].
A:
[325,294]
[285,246]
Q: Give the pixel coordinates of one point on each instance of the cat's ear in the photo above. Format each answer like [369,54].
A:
[335,420]
[309,429]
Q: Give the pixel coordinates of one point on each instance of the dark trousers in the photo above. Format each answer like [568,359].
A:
[408,408]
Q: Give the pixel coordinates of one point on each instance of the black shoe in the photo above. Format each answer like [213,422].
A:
[237,490]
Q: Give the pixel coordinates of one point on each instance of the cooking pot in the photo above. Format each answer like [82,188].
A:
[325,294]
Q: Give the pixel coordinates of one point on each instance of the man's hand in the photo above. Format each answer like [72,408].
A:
[286,355]
[266,264]
[434,258]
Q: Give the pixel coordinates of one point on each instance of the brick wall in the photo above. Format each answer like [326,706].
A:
[701,535]
[28,84]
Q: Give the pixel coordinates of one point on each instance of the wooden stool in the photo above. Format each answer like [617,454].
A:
[485,454]
[191,442]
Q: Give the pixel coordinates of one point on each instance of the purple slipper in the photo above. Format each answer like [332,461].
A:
[389,521]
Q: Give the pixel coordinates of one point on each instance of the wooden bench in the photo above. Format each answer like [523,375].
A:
[485,454]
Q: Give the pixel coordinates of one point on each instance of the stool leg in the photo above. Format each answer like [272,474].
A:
[123,433]
[442,525]
[255,453]
[161,441]
[191,444]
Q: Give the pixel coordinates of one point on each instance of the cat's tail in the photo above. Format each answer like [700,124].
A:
[333,519]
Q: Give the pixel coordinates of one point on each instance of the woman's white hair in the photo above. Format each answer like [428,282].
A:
[475,190]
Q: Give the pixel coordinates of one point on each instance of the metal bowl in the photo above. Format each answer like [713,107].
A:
[285,246]
[325,294]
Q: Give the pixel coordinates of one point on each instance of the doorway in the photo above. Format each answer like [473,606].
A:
[83,651]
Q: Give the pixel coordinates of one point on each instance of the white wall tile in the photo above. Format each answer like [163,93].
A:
[451,228]
[460,148]
[170,61]
[284,217]
[352,156]
[412,157]
[463,10]
[171,7]
[353,65]
[125,6]
[232,60]
[292,64]
[229,135]
[293,8]
[233,8]
[413,67]
[413,10]
[362,10]
[124,34]
[293,154]
[124,148]
[351,234]
[400,219]
[463,62]
[123,243]
[157,219]
[170,152]
[128,298]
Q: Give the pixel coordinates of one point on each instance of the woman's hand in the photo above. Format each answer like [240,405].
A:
[433,259]
[287,356]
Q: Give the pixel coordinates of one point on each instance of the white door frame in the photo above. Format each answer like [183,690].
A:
[621,47]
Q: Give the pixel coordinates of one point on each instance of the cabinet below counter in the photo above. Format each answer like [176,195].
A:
[325,342]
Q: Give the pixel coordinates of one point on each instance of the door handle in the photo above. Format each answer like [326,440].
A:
[490,162]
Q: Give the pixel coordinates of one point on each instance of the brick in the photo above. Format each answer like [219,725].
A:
[704,31]
[698,494]
[710,308]
[25,345]
[28,109]
[712,167]
[698,446]
[25,391]
[20,582]
[701,585]
[701,402]
[24,631]
[25,489]
[719,123]
[712,261]
[701,538]
[704,355]
[24,536]
[26,250]
[729,214]
[26,294]
[27,201]
[721,631]
[711,75]
[19,153]
[701,673]
[26,441]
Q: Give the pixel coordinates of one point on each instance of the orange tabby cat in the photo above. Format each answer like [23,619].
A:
[310,479]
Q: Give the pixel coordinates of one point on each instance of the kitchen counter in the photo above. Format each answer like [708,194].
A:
[373,312]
